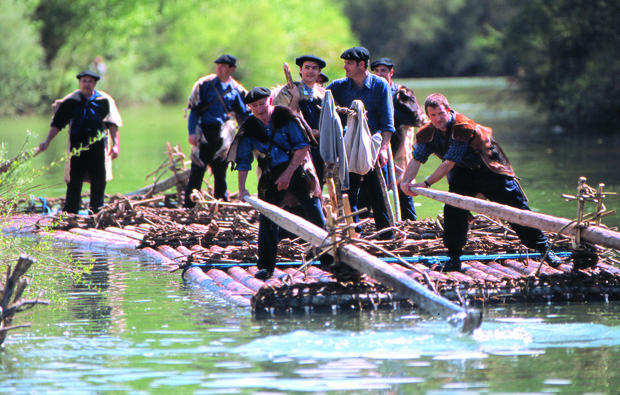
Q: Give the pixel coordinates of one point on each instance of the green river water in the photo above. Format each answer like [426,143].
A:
[134,328]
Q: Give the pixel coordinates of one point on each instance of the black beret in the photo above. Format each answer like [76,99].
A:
[256,94]
[356,53]
[382,62]
[324,78]
[88,73]
[229,59]
[310,58]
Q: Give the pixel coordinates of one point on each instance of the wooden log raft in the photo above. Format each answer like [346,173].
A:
[466,320]
[548,223]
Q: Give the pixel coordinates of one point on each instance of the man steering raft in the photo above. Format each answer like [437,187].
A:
[474,164]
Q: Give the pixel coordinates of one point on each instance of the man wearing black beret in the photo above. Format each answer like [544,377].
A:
[215,103]
[407,115]
[282,140]
[375,93]
[306,100]
[90,114]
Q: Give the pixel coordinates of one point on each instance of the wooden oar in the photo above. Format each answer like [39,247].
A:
[545,222]
[466,320]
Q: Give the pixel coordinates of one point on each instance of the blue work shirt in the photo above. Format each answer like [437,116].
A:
[216,114]
[290,137]
[376,95]
[447,148]
[86,115]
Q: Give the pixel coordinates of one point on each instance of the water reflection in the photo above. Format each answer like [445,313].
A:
[97,297]
[136,329]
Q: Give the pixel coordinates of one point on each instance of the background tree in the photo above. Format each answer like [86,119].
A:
[156,49]
[567,52]
[435,38]
[21,69]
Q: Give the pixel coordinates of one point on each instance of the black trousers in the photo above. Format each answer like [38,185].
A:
[372,187]
[91,161]
[497,188]
[218,167]
[269,234]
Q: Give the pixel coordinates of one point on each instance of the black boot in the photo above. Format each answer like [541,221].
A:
[263,274]
[452,265]
[552,260]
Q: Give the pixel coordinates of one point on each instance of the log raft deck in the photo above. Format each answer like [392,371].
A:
[215,250]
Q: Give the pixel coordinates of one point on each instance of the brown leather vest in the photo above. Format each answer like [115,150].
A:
[480,139]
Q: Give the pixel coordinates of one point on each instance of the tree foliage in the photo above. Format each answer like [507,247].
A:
[156,49]
[435,38]
[563,52]
[568,54]
[21,71]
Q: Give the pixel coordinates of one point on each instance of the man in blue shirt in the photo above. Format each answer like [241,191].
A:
[376,95]
[282,142]
[473,163]
[215,98]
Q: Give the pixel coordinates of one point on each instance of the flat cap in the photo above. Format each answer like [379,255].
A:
[228,59]
[256,94]
[88,73]
[310,58]
[387,62]
[356,53]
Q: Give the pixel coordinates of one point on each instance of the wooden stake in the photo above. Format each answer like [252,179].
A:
[347,212]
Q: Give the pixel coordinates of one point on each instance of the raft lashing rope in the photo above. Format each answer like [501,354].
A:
[584,255]
[425,260]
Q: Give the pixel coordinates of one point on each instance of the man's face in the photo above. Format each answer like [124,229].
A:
[353,68]
[385,72]
[439,116]
[87,85]
[309,72]
[223,70]
[260,108]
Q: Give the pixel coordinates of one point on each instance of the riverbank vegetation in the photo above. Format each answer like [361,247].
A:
[562,53]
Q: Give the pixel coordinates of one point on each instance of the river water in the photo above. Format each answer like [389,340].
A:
[134,328]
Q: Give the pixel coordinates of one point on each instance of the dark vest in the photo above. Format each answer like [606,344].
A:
[480,139]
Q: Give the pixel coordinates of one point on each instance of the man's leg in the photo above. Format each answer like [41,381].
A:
[267,247]
[220,188]
[97,175]
[76,179]
[407,208]
[506,190]
[372,185]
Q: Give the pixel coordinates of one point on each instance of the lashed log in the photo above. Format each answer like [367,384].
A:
[545,222]
[164,185]
[466,320]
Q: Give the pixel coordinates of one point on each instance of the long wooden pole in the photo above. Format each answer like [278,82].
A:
[548,223]
[466,320]
[163,185]
[394,183]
